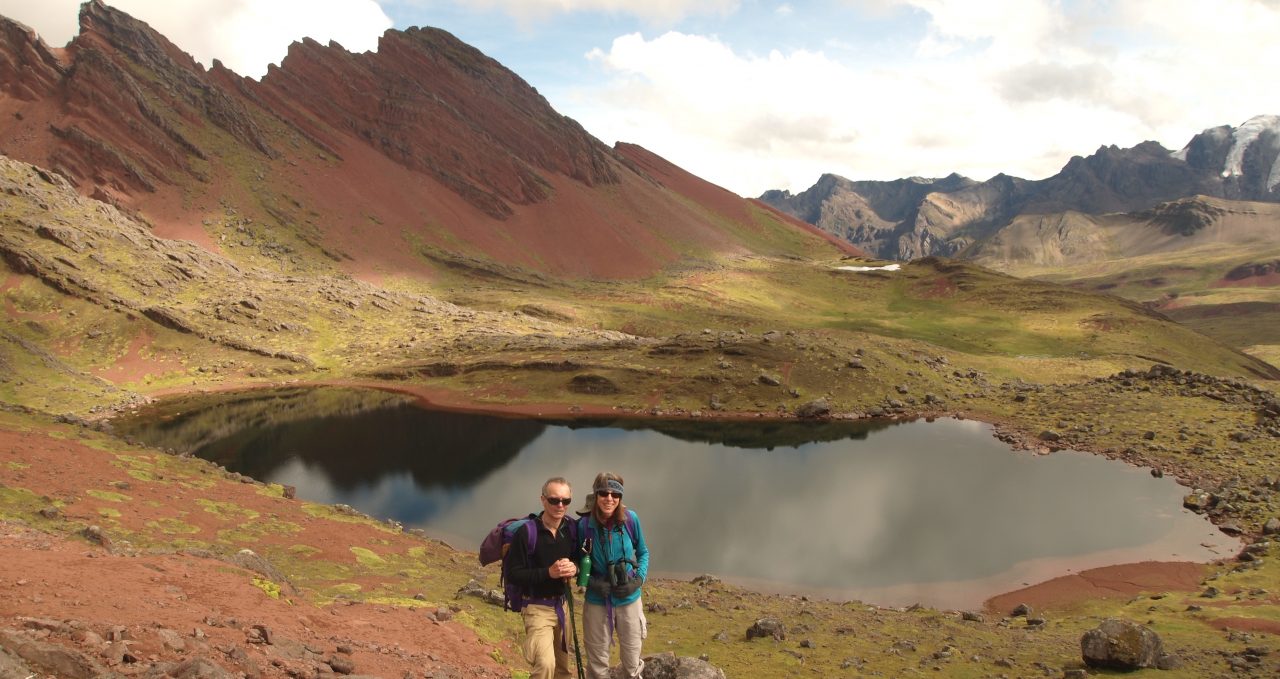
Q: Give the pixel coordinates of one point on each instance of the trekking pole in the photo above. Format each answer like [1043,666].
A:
[577,652]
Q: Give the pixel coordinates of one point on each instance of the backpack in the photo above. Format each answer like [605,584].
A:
[497,544]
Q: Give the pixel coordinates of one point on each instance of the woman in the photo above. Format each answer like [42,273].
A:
[619,566]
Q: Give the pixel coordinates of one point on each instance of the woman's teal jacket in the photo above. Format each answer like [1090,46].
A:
[612,545]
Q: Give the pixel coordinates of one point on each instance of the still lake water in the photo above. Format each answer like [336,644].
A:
[939,513]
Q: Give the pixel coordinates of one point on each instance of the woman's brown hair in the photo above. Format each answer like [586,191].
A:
[601,483]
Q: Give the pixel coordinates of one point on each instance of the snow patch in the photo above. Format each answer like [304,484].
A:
[886,267]
[1243,137]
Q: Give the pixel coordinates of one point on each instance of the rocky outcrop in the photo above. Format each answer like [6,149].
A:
[28,69]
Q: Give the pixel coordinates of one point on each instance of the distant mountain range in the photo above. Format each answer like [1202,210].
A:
[421,157]
[1005,218]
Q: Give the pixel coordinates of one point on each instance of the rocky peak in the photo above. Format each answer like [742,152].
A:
[104,26]
[437,105]
[28,68]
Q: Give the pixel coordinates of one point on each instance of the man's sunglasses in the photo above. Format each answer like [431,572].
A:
[563,501]
[608,493]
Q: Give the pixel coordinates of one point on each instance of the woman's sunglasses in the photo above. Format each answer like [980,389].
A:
[563,501]
[608,493]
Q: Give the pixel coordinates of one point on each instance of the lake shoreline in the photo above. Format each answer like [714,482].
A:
[1070,588]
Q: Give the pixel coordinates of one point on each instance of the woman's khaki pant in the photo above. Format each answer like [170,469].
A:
[631,627]
[542,643]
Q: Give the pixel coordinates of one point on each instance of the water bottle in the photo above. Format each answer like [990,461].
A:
[584,567]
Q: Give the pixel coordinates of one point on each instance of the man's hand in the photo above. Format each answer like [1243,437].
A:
[563,568]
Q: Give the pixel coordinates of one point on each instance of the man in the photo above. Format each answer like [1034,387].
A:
[542,577]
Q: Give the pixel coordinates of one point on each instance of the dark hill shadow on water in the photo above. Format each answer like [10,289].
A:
[359,437]
[355,437]
[743,434]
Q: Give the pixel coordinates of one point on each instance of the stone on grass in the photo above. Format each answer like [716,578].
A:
[767,627]
[1122,645]
[668,666]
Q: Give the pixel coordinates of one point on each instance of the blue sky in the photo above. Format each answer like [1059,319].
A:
[760,94]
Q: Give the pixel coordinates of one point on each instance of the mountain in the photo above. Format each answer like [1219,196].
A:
[419,157]
[955,216]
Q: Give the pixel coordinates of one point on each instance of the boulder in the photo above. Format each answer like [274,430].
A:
[52,658]
[475,589]
[199,668]
[814,409]
[769,380]
[1198,501]
[767,627]
[12,666]
[668,666]
[1122,645]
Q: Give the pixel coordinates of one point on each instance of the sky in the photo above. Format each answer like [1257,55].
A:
[771,94]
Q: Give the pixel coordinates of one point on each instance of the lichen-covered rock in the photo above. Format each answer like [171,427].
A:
[668,666]
[767,627]
[1121,644]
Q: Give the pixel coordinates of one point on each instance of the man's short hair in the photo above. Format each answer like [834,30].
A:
[555,479]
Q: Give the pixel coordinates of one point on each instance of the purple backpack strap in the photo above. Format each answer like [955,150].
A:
[631,532]
[531,532]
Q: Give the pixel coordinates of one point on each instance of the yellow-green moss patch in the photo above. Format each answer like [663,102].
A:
[366,557]
[171,526]
[304,550]
[255,530]
[271,490]
[272,589]
[401,601]
[226,510]
[108,496]
[345,516]
[109,513]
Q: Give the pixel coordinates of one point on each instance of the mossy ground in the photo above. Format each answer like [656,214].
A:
[1191,287]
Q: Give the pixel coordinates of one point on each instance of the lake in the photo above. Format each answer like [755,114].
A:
[893,513]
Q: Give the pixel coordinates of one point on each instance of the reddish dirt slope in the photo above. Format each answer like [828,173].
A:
[386,161]
[714,198]
[171,608]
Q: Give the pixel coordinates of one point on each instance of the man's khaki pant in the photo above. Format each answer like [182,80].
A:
[542,643]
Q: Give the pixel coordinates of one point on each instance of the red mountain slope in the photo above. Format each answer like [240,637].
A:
[425,151]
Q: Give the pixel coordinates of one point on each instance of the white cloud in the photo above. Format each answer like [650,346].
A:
[1013,86]
[245,34]
[655,11]
[784,10]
